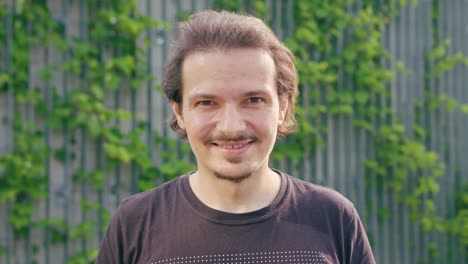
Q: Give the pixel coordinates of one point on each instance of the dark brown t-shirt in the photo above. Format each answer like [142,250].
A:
[305,224]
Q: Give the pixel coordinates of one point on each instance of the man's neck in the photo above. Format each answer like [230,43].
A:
[253,193]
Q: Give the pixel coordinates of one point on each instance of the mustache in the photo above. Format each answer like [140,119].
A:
[231,137]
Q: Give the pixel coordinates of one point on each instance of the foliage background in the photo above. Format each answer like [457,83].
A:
[382,117]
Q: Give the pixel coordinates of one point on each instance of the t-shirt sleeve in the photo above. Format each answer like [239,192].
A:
[111,247]
[358,249]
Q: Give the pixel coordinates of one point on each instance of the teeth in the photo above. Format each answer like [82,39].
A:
[232,146]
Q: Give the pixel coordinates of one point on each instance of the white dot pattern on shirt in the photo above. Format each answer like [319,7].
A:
[297,257]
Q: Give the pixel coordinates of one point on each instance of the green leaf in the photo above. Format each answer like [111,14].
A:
[464,108]
[117,152]
[361,97]
[306,35]
[451,104]
[83,230]
[94,129]
[4,79]
[111,80]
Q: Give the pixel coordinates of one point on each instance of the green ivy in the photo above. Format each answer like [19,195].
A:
[108,59]
[23,170]
[459,225]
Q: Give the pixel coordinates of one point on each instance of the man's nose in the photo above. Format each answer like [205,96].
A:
[231,119]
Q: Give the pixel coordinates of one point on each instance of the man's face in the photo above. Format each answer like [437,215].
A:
[230,111]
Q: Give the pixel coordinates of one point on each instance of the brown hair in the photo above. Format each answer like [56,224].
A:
[209,30]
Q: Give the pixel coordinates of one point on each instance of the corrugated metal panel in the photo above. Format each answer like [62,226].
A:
[338,165]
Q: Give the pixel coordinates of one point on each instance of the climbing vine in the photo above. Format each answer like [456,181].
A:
[107,58]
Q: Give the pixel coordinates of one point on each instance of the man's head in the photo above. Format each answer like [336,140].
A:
[223,31]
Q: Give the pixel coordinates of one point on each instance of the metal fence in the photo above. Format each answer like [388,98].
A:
[338,165]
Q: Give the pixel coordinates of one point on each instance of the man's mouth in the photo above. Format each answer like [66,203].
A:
[232,144]
[233,147]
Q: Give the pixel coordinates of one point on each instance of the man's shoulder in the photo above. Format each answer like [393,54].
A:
[138,203]
[317,195]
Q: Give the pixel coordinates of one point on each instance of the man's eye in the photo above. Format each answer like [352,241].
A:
[255,100]
[205,102]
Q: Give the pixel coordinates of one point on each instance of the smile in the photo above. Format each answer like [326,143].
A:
[232,146]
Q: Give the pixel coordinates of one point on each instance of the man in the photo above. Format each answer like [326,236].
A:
[232,86]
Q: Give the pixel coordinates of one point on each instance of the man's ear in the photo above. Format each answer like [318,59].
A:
[283,104]
[176,109]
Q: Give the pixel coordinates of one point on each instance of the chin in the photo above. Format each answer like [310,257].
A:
[235,176]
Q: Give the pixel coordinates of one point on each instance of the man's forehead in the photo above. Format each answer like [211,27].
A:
[204,56]
[236,71]
[219,63]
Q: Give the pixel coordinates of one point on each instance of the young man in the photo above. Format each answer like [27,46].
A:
[232,86]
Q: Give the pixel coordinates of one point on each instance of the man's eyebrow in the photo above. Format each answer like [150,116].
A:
[201,96]
[256,93]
